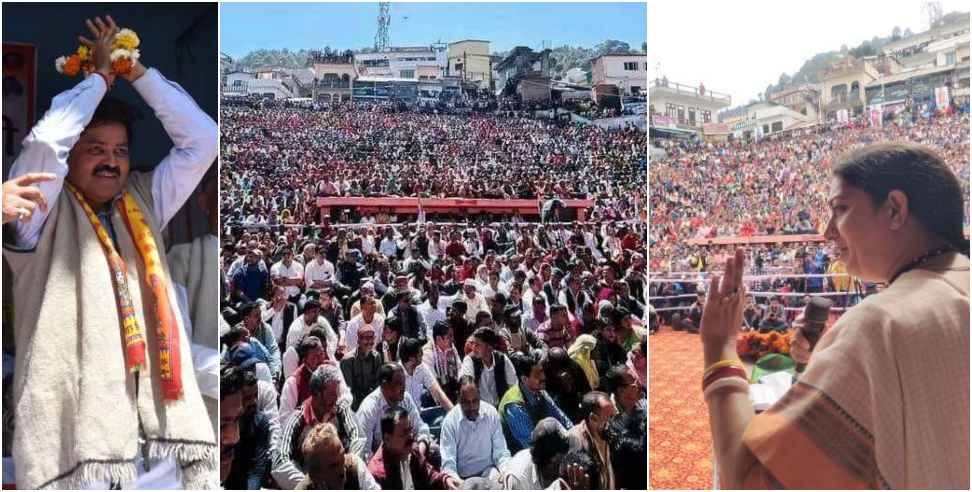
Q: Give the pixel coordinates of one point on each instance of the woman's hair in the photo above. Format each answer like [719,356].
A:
[934,192]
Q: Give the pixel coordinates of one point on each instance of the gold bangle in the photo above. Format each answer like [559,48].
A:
[722,363]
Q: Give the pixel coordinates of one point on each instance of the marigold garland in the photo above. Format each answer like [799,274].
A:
[753,345]
[124,54]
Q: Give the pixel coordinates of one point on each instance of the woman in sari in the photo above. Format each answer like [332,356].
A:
[884,400]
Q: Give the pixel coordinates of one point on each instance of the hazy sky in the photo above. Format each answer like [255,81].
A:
[249,26]
[738,47]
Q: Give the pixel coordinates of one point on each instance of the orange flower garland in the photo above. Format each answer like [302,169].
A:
[124,54]
[753,345]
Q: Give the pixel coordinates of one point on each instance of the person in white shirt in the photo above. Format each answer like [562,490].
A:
[300,328]
[484,360]
[288,274]
[388,246]
[433,309]
[538,467]
[472,442]
[319,273]
[419,379]
[475,302]
[368,317]
[368,242]
[84,139]
[390,392]
[280,315]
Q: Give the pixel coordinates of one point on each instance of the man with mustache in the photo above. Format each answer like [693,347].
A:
[103,362]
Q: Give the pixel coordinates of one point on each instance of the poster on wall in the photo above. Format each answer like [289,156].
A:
[875,114]
[941,98]
[19,97]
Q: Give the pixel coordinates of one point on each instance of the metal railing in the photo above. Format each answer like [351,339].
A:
[690,90]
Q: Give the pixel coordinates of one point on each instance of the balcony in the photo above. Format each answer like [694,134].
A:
[690,90]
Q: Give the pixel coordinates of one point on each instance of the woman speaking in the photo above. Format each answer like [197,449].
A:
[884,401]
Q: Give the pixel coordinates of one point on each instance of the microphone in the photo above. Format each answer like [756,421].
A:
[815,317]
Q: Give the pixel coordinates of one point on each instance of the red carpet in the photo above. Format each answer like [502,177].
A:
[680,447]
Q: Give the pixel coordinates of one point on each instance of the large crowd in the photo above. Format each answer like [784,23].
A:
[776,186]
[434,356]
[278,158]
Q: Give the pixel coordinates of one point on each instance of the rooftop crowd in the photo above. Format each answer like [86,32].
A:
[277,158]
[775,186]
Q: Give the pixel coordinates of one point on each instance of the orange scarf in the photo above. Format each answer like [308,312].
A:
[167,333]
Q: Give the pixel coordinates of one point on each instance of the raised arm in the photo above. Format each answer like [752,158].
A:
[194,134]
[46,148]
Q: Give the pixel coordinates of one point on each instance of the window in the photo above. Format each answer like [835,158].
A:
[237,83]
[635,90]
[681,114]
[458,67]
[631,66]
[691,116]
[950,58]
[407,74]
[777,126]
[766,130]
[670,110]
[838,94]
[706,116]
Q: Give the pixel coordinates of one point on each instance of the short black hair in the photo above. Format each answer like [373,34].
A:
[234,335]
[440,329]
[320,333]
[408,348]
[557,307]
[614,379]
[306,345]
[591,402]
[387,372]
[487,335]
[114,110]
[549,439]
[523,363]
[390,418]
[230,380]
[580,457]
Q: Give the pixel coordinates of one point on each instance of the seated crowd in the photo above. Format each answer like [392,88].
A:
[277,159]
[775,186]
[416,359]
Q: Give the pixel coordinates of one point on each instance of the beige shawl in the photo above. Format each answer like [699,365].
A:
[884,402]
[77,414]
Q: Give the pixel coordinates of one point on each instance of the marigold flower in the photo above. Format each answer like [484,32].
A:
[72,65]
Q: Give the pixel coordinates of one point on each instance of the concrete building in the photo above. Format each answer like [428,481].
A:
[333,76]
[767,118]
[804,99]
[519,62]
[470,60]
[684,106]
[403,62]
[534,88]
[842,87]
[628,72]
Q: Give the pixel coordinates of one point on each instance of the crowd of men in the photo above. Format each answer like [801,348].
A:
[776,186]
[434,357]
[278,158]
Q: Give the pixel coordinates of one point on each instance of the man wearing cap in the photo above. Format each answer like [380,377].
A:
[475,302]
[361,366]
[369,317]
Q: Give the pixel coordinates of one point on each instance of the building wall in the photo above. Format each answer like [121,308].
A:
[665,101]
[611,70]
[470,60]
[862,77]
